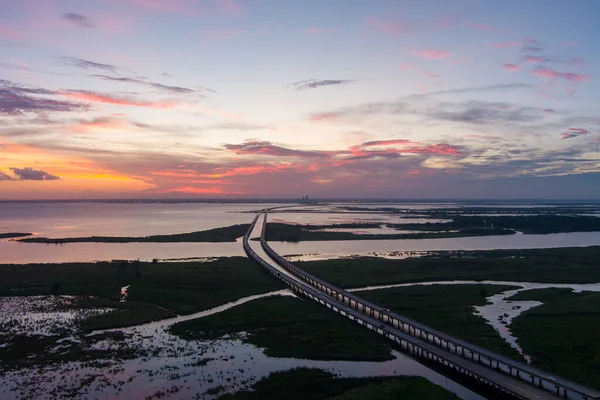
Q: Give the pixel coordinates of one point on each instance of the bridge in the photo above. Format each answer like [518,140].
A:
[420,341]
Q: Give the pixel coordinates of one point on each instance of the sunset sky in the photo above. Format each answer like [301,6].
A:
[282,98]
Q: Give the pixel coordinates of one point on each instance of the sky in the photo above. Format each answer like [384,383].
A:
[286,98]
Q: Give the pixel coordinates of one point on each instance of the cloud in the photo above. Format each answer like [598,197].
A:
[104,123]
[30,174]
[573,62]
[16,100]
[89,96]
[511,67]
[267,148]
[381,149]
[316,83]
[5,177]
[79,20]
[154,85]
[86,64]
[386,26]
[431,54]
[196,190]
[575,132]
[484,112]
[10,33]
[400,106]
[321,30]
[550,73]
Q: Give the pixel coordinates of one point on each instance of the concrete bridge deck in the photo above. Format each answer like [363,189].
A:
[507,375]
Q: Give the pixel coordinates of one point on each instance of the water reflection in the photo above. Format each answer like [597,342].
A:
[375,247]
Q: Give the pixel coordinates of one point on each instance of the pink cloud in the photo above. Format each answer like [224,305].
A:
[431,54]
[511,67]
[232,7]
[390,27]
[114,100]
[550,73]
[9,33]
[321,30]
[574,132]
[534,59]
[579,130]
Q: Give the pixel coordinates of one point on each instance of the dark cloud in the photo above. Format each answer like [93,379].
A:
[401,106]
[86,64]
[154,85]
[477,89]
[267,148]
[316,83]
[484,112]
[575,132]
[6,177]
[30,174]
[16,100]
[79,20]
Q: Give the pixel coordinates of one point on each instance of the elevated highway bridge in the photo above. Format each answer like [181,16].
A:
[421,341]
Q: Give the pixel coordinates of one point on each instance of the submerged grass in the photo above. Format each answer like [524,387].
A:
[315,384]
[291,327]
[225,234]
[11,235]
[561,336]
[448,308]
[181,288]
[296,233]
[565,265]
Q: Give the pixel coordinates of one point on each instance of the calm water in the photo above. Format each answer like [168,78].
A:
[142,219]
[364,247]
[120,219]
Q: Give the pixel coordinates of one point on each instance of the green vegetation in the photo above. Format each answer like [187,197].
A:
[448,308]
[295,233]
[566,265]
[181,288]
[30,351]
[456,226]
[528,224]
[561,336]
[315,384]
[10,235]
[290,327]
[225,234]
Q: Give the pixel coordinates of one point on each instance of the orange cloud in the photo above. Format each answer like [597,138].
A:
[195,190]
[121,101]
[101,123]
[78,175]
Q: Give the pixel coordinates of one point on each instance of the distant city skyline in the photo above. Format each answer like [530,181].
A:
[435,99]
